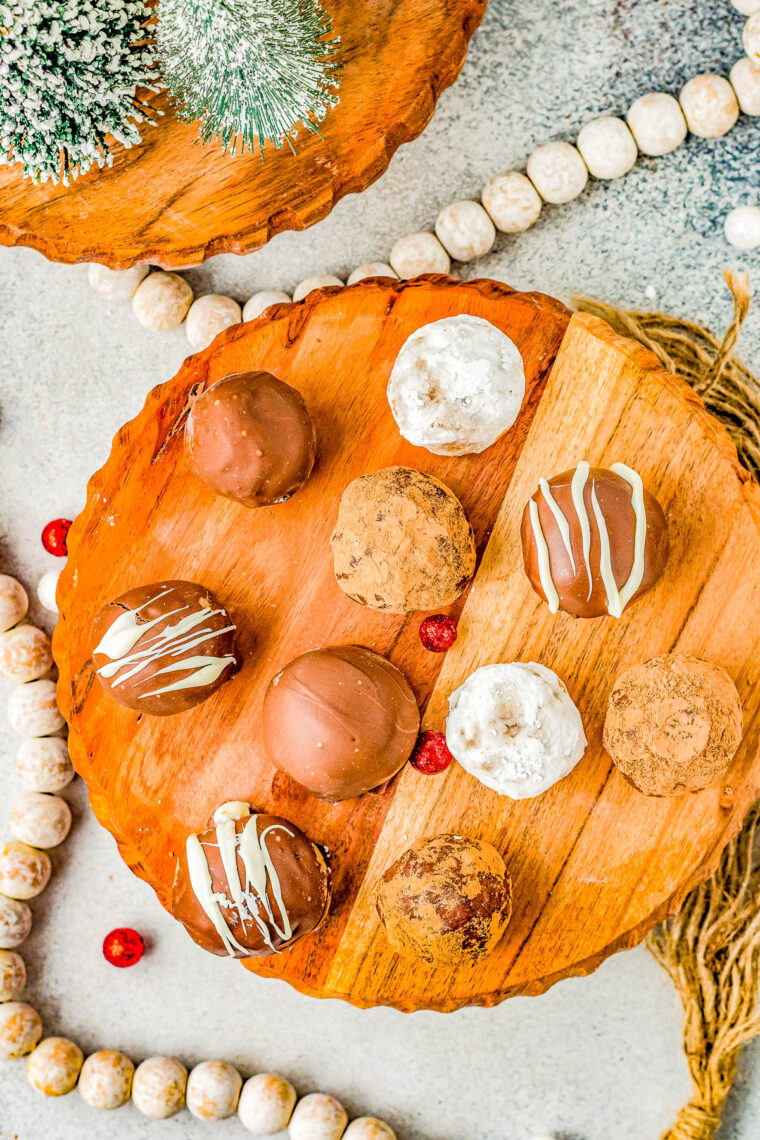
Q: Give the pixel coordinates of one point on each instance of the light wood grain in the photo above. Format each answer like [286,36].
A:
[172,202]
[595,862]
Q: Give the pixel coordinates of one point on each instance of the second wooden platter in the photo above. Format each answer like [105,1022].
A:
[595,863]
[173,202]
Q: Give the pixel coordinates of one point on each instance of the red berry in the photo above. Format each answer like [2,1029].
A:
[123,947]
[431,754]
[54,537]
[438,633]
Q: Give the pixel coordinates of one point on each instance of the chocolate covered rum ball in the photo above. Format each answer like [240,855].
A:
[163,648]
[447,901]
[250,438]
[251,885]
[402,542]
[673,724]
[593,540]
[341,721]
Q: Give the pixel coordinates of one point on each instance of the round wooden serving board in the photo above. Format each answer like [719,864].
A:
[595,863]
[172,202]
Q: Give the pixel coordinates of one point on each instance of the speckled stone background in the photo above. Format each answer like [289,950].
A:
[594,1059]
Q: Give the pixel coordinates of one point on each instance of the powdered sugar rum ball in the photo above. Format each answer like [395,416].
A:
[43,764]
[13,602]
[515,728]
[40,820]
[33,710]
[456,386]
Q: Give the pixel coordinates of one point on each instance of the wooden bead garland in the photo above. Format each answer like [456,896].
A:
[512,201]
[558,172]
[32,709]
[208,316]
[751,37]
[465,230]
[259,302]
[117,285]
[159,1087]
[745,80]
[710,106]
[370,269]
[607,147]
[161,301]
[25,654]
[309,284]
[657,123]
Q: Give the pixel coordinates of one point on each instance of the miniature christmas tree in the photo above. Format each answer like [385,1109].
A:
[69,71]
[251,71]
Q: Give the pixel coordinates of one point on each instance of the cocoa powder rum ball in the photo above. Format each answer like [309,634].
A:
[593,540]
[673,724]
[251,885]
[163,648]
[446,901]
[341,721]
[402,542]
[250,438]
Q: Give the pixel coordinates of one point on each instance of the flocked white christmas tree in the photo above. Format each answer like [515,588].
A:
[251,71]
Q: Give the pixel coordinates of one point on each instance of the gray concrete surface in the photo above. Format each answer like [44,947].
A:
[594,1059]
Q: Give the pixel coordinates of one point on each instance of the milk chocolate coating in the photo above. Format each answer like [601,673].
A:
[250,438]
[210,637]
[304,881]
[340,721]
[446,901]
[576,595]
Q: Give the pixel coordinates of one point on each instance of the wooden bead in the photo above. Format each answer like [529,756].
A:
[213,1089]
[46,590]
[465,230]
[710,106]
[745,80]
[54,1066]
[14,603]
[371,269]
[161,301]
[657,123]
[43,764]
[158,1088]
[106,1079]
[24,872]
[41,820]
[512,202]
[260,302]
[20,1029]
[33,711]
[318,1117]
[607,147]
[414,254]
[208,316]
[25,654]
[12,975]
[742,227]
[266,1104]
[751,37]
[15,922]
[558,172]
[369,1128]
[309,284]
[116,284]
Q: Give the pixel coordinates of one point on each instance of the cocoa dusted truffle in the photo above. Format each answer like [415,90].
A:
[340,721]
[673,724]
[163,648]
[250,438]
[402,542]
[593,540]
[251,885]
[446,901]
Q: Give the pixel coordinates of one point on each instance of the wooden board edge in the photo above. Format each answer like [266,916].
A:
[351,181]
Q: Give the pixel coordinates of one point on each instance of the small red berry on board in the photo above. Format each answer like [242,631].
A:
[54,537]
[431,754]
[123,947]
[438,632]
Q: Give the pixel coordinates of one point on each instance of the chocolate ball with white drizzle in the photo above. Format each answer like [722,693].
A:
[251,885]
[593,540]
[164,648]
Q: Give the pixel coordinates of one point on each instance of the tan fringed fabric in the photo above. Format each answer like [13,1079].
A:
[711,949]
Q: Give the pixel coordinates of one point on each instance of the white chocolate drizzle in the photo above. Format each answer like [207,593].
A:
[253,896]
[175,640]
[617,597]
